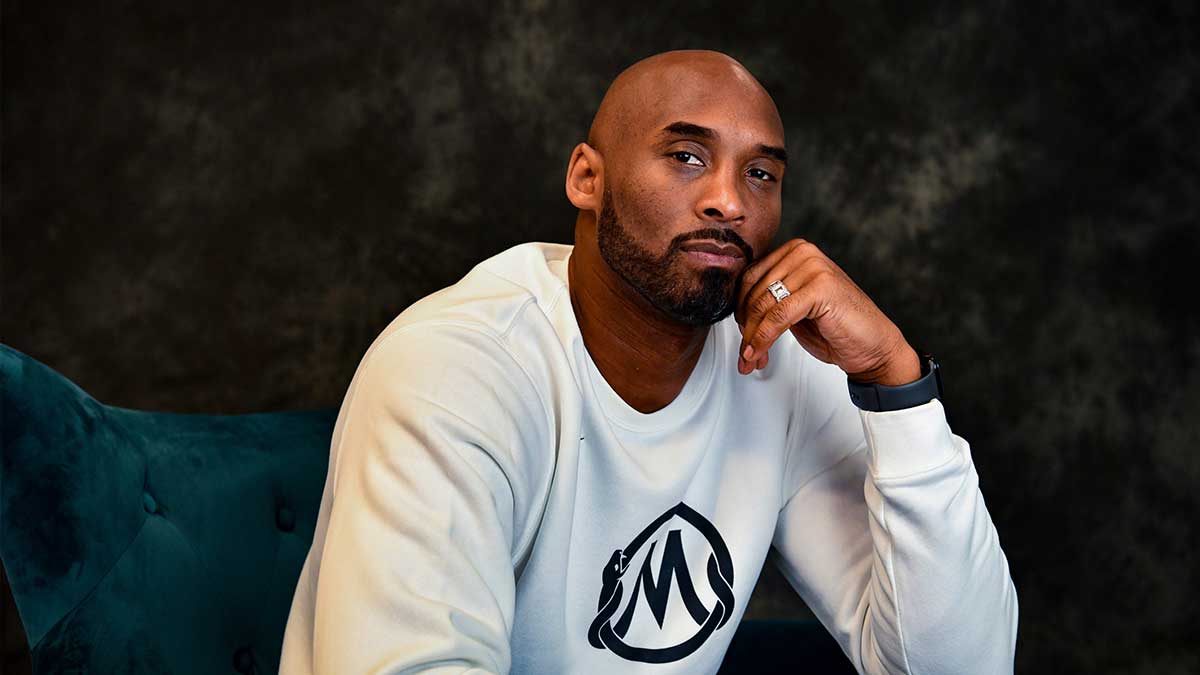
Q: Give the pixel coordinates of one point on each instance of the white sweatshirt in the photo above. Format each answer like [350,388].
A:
[492,505]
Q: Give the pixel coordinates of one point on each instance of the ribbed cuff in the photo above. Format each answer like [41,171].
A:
[909,441]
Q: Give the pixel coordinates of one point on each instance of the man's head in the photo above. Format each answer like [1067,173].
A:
[686,145]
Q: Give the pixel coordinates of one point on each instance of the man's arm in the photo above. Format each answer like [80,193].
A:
[891,545]
[436,467]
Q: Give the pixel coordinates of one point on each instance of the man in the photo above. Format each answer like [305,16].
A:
[577,458]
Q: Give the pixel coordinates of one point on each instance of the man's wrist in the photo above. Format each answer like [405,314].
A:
[904,369]
[879,397]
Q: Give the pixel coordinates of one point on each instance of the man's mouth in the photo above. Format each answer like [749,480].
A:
[711,253]
[714,247]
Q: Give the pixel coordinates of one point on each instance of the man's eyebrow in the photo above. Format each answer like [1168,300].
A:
[682,128]
[772,151]
[688,129]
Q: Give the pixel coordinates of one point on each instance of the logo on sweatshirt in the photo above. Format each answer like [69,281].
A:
[608,629]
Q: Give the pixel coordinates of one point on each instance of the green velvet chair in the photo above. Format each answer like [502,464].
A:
[149,542]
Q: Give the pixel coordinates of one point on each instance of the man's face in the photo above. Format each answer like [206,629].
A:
[695,297]
[683,189]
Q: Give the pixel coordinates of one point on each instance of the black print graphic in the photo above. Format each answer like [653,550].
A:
[604,634]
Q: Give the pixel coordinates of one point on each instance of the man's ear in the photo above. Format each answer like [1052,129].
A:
[585,178]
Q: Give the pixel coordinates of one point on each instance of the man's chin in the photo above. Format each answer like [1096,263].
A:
[703,315]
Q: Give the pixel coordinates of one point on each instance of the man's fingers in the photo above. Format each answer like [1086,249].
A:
[760,301]
[800,265]
[768,319]
[753,274]
[764,328]
[747,367]
[757,306]
[761,335]
[797,256]
[795,272]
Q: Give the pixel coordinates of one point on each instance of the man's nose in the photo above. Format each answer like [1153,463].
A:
[722,198]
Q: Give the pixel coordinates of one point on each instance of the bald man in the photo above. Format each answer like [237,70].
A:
[576,459]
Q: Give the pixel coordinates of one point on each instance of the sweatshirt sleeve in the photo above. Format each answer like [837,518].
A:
[437,471]
[890,543]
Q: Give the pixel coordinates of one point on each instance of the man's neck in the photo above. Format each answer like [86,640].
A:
[644,356]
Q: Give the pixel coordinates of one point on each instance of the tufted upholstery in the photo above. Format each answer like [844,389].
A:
[148,542]
[166,542]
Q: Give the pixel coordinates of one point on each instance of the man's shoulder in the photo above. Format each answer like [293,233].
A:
[482,333]
[456,389]
[456,357]
[494,294]
[461,379]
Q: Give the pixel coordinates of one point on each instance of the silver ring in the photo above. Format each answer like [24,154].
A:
[778,290]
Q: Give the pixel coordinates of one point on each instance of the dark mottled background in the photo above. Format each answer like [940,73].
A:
[216,206]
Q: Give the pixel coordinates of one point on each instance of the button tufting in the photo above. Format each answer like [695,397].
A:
[148,503]
[285,518]
[243,660]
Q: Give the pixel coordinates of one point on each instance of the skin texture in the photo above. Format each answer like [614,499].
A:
[644,305]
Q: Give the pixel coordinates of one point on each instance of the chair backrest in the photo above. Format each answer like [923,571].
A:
[171,543]
[152,542]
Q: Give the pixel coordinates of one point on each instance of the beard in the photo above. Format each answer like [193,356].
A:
[667,282]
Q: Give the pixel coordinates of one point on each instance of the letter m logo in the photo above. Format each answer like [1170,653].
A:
[673,566]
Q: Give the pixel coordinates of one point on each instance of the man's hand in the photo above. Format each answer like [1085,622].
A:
[829,315]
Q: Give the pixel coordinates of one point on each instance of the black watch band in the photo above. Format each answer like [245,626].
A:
[881,398]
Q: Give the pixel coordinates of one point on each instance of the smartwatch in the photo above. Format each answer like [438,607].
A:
[881,398]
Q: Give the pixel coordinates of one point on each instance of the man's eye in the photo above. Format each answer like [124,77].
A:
[766,176]
[684,152]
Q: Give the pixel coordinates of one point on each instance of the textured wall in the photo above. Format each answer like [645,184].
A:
[215,206]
